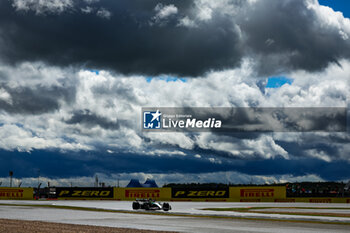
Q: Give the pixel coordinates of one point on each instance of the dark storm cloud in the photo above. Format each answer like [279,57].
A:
[88,164]
[90,119]
[279,35]
[288,35]
[123,91]
[126,42]
[35,100]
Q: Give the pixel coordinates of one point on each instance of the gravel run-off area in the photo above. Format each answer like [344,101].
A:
[21,226]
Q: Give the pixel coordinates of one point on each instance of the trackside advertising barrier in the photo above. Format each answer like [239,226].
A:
[315,199]
[16,193]
[84,193]
[257,193]
[232,194]
[200,194]
[161,194]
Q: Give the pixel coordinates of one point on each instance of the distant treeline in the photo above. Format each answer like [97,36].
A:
[317,189]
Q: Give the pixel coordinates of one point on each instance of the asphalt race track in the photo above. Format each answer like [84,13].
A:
[187,216]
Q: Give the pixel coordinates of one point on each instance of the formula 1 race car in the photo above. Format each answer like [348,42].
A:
[149,204]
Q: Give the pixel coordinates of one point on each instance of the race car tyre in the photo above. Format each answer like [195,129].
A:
[135,205]
[166,206]
[147,207]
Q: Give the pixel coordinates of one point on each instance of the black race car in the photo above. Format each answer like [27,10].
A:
[149,204]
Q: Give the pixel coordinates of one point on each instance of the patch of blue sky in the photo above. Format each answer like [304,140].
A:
[68,139]
[19,125]
[94,71]
[338,5]
[276,82]
[166,79]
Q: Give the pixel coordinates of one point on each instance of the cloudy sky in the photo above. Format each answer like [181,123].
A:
[74,75]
